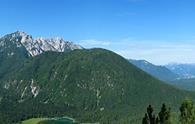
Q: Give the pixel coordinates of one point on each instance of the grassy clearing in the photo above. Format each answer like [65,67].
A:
[63,120]
[33,120]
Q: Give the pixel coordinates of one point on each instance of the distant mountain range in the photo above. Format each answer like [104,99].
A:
[90,85]
[179,75]
[160,72]
[185,71]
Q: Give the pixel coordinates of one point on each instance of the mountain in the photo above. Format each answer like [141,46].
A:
[179,75]
[12,54]
[185,71]
[187,84]
[160,72]
[40,45]
[90,85]
[16,47]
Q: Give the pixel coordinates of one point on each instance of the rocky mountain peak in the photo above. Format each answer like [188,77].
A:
[39,45]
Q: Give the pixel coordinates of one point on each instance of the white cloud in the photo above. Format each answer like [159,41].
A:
[94,43]
[157,52]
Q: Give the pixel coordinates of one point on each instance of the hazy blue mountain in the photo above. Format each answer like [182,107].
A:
[160,72]
[185,71]
[187,84]
[179,75]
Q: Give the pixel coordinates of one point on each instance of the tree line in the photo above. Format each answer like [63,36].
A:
[186,116]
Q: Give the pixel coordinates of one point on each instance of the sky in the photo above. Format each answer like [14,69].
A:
[159,31]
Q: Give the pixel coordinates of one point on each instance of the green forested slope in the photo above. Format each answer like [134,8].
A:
[12,54]
[93,85]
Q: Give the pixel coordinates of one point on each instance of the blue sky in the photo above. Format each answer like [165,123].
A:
[160,31]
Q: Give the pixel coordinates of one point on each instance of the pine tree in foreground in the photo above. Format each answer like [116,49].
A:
[187,112]
[165,115]
[162,118]
[149,116]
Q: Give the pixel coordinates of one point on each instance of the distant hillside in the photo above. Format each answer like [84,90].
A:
[187,84]
[185,71]
[160,72]
[179,75]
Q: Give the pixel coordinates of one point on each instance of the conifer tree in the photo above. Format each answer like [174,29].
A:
[165,115]
[157,120]
[149,117]
[187,114]
[150,111]
[146,119]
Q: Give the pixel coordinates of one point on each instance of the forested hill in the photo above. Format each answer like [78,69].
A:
[94,85]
